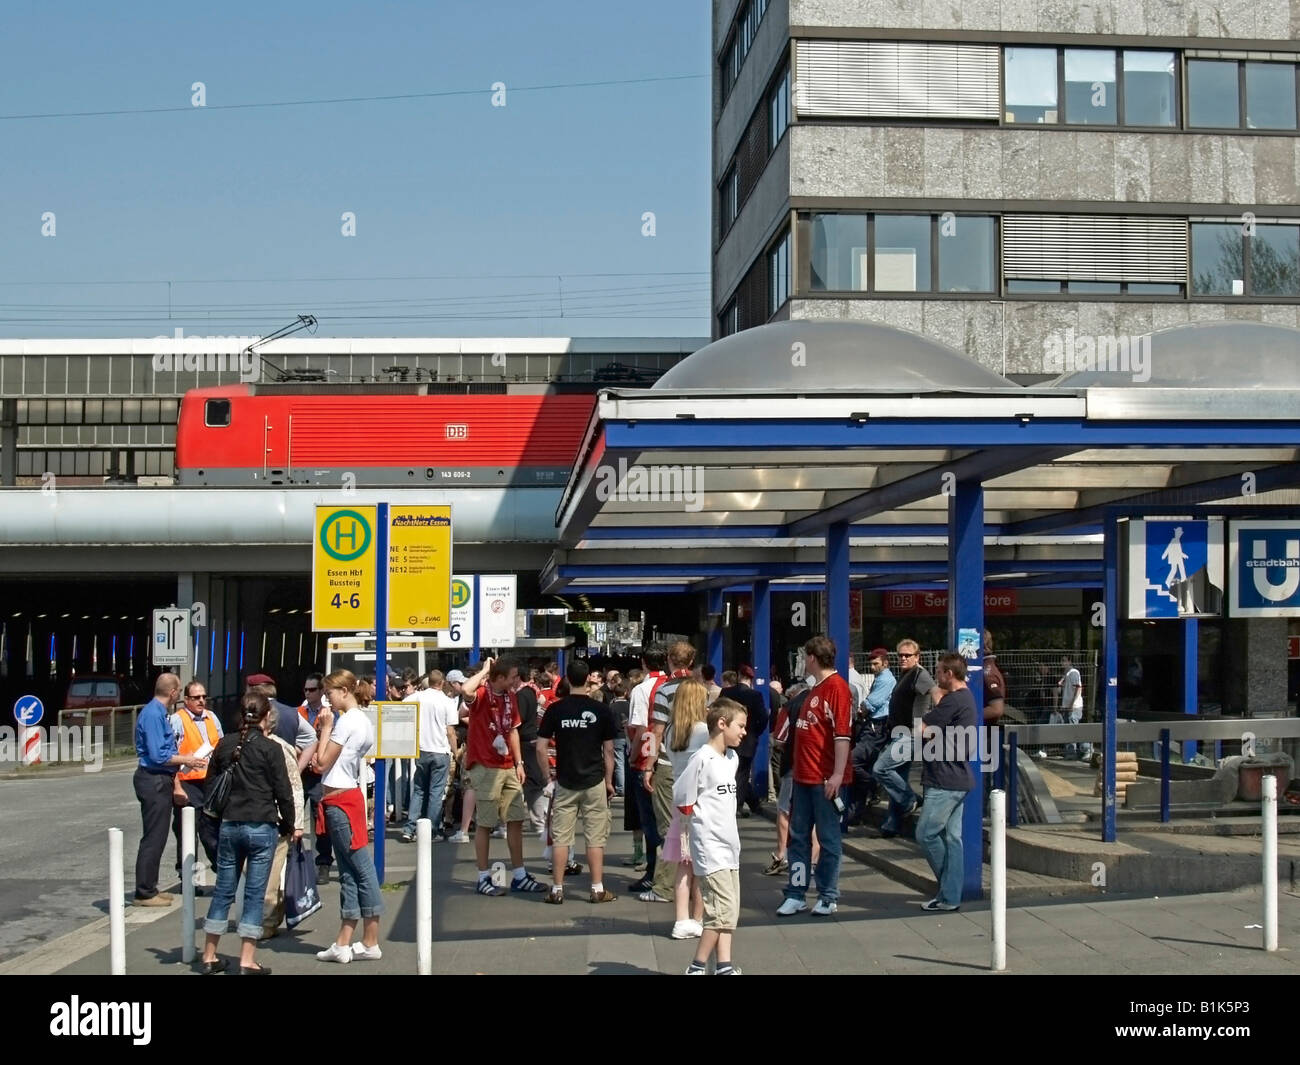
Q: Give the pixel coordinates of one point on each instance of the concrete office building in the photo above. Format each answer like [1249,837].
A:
[1005,176]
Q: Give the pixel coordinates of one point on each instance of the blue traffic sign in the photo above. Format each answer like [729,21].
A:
[28,711]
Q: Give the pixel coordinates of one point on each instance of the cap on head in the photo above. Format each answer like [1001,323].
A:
[882,653]
[747,671]
[456,677]
[258,678]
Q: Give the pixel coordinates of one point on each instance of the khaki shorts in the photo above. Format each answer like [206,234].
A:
[591,805]
[721,891]
[498,796]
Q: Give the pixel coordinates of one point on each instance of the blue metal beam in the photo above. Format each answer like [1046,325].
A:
[966,616]
[1110,678]
[795,434]
[981,466]
[837,592]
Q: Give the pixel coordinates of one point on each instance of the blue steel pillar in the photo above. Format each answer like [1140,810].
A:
[966,611]
[763,671]
[381,675]
[1191,634]
[1110,674]
[837,593]
[714,609]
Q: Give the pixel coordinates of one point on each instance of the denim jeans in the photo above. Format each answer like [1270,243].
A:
[427,788]
[938,831]
[891,770]
[391,782]
[620,756]
[358,882]
[250,845]
[810,808]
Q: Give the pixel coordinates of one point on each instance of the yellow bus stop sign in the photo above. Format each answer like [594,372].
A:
[344,569]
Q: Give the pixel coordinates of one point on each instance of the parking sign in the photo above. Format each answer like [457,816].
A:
[171,637]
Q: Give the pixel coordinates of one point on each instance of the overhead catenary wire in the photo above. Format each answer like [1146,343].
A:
[325,101]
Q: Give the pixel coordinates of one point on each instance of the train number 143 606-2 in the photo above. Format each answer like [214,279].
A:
[457,475]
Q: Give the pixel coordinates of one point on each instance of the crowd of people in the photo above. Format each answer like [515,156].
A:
[511,747]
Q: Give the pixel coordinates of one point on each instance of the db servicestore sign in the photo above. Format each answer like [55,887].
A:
[996,601]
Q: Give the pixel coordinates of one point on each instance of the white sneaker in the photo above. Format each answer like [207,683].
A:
[499,832]
[458,837]
[364,953]
[824,908]
[790,907]
[687,930]
[334,952]
[1041,755]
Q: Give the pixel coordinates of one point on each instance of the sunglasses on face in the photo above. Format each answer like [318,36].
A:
[198,698]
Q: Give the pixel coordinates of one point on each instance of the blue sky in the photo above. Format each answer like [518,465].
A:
[449,190]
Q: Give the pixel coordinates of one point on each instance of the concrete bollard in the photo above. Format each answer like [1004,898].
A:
[998,876]
[116,905]
[187,884]
[424,896]
[1268,812]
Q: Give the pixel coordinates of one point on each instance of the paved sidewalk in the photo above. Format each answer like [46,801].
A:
[879,929]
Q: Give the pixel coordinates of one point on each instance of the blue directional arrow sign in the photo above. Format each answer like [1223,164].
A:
[28,711]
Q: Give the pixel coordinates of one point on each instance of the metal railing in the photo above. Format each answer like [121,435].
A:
[118,736]
[1129,734]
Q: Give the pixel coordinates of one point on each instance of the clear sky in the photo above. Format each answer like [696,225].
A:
[451,194]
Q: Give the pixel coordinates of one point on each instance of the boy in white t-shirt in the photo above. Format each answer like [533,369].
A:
[706,792]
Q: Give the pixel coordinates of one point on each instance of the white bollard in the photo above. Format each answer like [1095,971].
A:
[424,896]
[187,884]
[116,905]
[998,875]
[1268,812]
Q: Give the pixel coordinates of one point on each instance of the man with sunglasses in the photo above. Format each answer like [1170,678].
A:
[313,690]
[909,700]
[197,731]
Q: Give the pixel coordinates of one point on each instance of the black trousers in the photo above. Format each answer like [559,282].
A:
[154,790]
[745,793]
[311,786]
[206,829]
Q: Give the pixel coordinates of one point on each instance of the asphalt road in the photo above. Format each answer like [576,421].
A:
[54,850]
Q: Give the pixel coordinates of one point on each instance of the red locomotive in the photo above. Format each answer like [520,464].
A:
[401,434]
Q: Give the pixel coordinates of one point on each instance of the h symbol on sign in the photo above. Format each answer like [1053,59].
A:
[340,535]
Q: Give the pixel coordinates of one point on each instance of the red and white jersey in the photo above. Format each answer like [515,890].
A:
[826,716]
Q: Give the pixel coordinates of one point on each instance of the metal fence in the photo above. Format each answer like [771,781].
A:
[118,723]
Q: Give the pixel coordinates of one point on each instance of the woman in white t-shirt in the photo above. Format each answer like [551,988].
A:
[687,732]
[345,737]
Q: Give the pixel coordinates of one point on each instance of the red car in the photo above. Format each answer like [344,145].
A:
[96,690]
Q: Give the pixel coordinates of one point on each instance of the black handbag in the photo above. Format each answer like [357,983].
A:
[214,803]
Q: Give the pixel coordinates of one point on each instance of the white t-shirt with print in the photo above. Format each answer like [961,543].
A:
[638,704]
[709,784]
[352,731]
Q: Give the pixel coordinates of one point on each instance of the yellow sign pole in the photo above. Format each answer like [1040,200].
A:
[344,568]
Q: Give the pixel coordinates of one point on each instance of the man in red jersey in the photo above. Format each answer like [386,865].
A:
[821,767]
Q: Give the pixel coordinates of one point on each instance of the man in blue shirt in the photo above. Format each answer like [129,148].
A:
[872,738]
[155,744]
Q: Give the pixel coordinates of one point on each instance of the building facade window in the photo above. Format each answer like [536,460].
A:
[1150,89]
[728,201]
[778,272]
[853,252]
[778,109]
[1030,80]
[744,31]
[1260,261]
[1235,94]
[1091,92]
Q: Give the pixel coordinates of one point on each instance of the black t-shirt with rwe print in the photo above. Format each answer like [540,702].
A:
[579,726]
